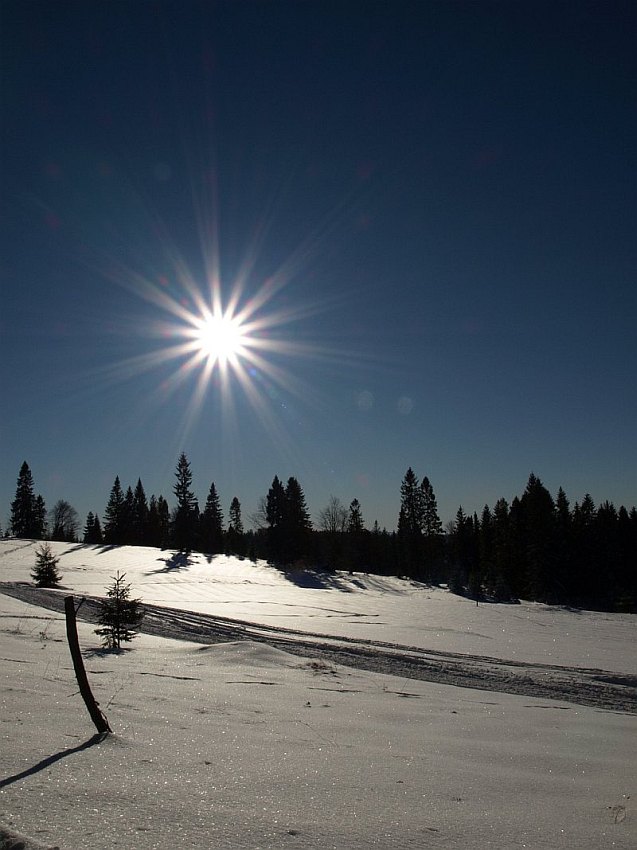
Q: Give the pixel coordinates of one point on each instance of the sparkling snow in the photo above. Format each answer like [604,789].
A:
[240,745]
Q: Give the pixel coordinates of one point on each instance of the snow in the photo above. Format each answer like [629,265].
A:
[243,745]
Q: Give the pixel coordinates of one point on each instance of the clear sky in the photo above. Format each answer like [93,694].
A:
[422,215]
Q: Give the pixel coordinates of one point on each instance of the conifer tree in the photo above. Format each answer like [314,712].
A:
[275,513]
[501,552]
[297,523]
[139,520]
[539,518]
[355,524]
[45,572]
[410,525]
[40,518]
[463,549]
[27,510]
[114,515]
[212,523]
[186,512]
[236,541]
[92,529]
[432,532]
[158,522]
[120,616]
[235,516]
[357,535]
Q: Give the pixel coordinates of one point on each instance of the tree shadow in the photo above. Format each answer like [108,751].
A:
[47,762]
[313,579]
[105,651]
[177,561]
[100,548]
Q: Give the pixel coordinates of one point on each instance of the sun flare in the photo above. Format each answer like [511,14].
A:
[220,338]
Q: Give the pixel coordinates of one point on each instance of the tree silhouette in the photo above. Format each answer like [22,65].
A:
[114,515]
[64,521]
[27,510]
[92,529]
[185,520]
[212,523]
[236,541]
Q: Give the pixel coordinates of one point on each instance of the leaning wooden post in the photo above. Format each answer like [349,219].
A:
[97,715]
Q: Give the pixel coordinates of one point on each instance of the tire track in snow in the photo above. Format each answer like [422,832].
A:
[584,686]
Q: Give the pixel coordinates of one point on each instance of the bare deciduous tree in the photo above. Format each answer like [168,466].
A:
[333,517]
[64,521]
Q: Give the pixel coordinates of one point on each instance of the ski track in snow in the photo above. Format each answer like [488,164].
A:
[584,686]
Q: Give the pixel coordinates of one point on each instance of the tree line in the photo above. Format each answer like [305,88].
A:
[537,548]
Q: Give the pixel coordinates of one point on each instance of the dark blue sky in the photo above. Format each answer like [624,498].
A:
[435,202]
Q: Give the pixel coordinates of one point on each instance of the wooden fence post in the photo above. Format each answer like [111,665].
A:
[97,715]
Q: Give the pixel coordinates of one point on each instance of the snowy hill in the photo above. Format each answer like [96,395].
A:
[240,744]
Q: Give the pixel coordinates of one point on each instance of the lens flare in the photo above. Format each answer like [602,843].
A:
[220,338]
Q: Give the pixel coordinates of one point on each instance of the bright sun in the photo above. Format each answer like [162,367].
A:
[219,338]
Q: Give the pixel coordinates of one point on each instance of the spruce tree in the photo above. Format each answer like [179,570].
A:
[236,542]
[114,515]
[432,533]
[212,523]
[127,518]
[40,518]
[45,572]
[297,523]
[501,552]
[120,616]
[184,528]
[410,525]
[158,523]
[357,536]
[92,529]
[539,518]
[139,519]
[275,513]
[355,524]
[27,510]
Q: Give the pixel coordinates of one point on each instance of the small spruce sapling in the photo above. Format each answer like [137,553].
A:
[45,572]
[120,616]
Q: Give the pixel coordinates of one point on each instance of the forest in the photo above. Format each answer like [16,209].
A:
[537,548]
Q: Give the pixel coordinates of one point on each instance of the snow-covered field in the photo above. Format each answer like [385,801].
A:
[243,745]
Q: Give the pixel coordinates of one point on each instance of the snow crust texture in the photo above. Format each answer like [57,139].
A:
[243,743]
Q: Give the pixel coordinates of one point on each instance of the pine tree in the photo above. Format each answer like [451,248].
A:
[40,518]
[275,512]
[185,521]
[462,553]
[139,520]
[114,515]
[212,523]
[410,525]
[127,518]
[297,523]
[357,536]
[501,552]
[235,516]
[92,529]
[236,542]
[45,573]
[158,524]
[432,532]
[120,616]
[539,517]
[27,510]
[355,524]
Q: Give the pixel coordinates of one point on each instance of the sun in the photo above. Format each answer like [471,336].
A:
[219,338]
